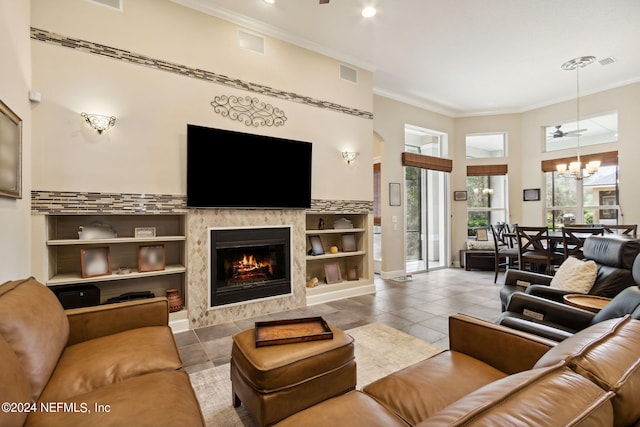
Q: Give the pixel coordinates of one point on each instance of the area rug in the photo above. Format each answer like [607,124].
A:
[379,350]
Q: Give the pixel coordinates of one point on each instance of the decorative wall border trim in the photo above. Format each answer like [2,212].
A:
[70,202]
[159,64]
[341,206]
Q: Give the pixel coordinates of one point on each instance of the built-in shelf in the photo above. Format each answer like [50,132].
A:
[337,255]
[115,240]
[63,253]
[336,231]
[358,258]
[76,278]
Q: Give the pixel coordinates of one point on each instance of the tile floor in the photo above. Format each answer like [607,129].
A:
[419,307]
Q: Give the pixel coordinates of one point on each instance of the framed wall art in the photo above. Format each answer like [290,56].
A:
[332,273]
[348,243]
[482,235]
[531,194]
[95,261]
[144,232]
[352,272]
[151,258]
[316,245]
[10,153]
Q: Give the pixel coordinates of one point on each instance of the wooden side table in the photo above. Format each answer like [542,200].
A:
[591,303]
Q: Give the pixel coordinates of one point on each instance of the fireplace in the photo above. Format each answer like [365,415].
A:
[249,263]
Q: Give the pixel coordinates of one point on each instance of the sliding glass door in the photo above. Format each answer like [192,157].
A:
[426,225]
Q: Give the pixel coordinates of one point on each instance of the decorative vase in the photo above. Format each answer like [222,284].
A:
[175,300]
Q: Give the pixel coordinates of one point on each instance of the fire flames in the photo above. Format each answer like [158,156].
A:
[250,268]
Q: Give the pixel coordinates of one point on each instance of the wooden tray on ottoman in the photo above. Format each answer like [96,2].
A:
[291,331]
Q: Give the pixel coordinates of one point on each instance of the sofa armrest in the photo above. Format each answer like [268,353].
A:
[548,311]
[507,350]
[525,278]
[92,322]
[525,325]
[548,292]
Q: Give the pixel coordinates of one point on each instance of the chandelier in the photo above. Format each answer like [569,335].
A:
[575,169]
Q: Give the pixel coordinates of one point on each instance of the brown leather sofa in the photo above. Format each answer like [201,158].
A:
[111,365]
[497,376]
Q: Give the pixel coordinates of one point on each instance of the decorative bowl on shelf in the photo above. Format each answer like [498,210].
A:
[96,230]
[342,223]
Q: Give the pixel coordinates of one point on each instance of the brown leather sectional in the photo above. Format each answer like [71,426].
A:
[496,376]
[111,365]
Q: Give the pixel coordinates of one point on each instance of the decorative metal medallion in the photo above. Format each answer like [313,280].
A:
[248,110]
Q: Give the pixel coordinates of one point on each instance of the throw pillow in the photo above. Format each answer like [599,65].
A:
[575,275]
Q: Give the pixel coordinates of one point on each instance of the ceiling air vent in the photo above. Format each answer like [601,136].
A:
[348,73]
[606,61]
[251,42]
[113,4]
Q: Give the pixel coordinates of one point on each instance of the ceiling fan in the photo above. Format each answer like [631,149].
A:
[559,133]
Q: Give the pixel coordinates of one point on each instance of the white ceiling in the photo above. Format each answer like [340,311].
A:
[460,57]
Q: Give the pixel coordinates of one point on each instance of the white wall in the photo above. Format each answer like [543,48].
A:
[390,119]
[15,82]
[146,150]
[525,152]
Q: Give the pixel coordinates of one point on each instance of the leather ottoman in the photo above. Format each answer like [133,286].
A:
[276,381]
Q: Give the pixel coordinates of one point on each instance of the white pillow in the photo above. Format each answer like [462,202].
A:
[575,275]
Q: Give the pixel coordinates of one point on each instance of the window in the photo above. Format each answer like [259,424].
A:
[425,199]
[486,197]
[485,145]
[595,130]
[593,200]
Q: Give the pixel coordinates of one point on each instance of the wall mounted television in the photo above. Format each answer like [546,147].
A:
[227,169]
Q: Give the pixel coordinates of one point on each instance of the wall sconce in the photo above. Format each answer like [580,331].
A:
[349,156]
[99,122]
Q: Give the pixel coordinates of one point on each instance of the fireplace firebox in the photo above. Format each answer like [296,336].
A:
[249,263]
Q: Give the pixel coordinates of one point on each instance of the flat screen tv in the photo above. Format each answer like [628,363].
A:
[227,169]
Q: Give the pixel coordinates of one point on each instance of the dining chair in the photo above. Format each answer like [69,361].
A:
[534,250]
[510,235]
[628,230]
[505,256]
[573,239]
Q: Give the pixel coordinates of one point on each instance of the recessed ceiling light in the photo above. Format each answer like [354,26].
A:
[369,11]
[270,1]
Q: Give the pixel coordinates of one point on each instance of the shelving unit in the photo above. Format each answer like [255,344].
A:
[359,258]
[63,266]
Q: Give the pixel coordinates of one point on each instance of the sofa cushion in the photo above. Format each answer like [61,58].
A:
[607,353]
[612,250]
[353,409]
[575,275]
[422,389]
[106,360]
[15,387]
[34,324]
[552,396]
[610,281]
[158,399]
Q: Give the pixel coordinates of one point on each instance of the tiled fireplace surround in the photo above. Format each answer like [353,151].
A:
[198,223]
